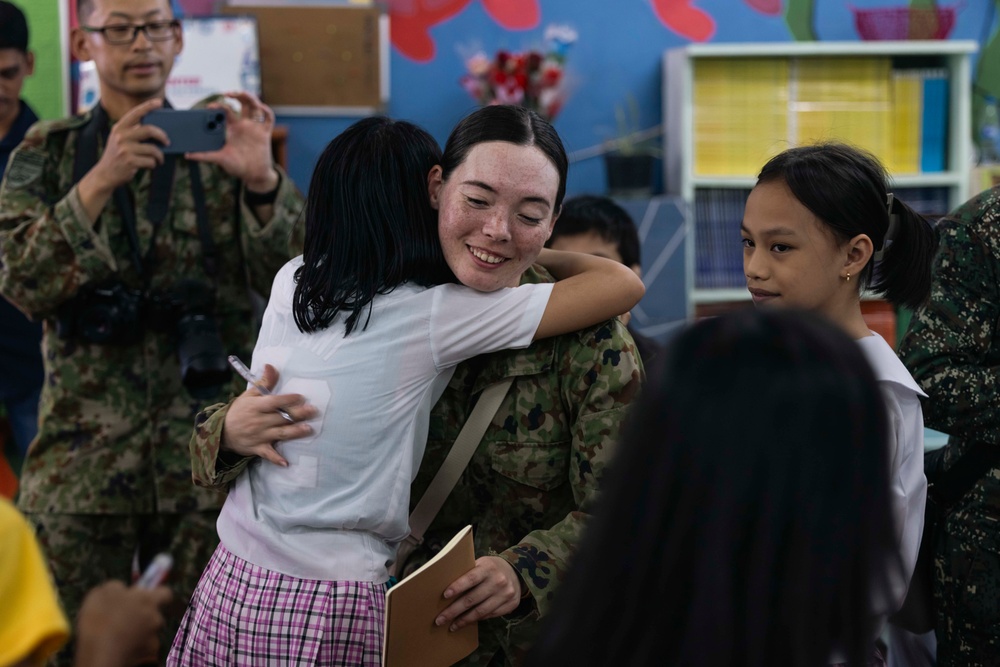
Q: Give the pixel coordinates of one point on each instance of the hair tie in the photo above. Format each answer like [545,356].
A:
[890,233]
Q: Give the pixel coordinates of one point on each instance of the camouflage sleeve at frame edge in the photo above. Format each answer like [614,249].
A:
[210,467]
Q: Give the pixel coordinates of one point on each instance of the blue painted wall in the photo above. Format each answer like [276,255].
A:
[618,54]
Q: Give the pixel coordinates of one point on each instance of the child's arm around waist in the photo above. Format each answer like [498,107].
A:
[589,291]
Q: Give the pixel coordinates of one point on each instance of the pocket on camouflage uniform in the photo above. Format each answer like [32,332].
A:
[541,466]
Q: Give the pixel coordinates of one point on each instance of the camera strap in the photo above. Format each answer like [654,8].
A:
[208,255]
[95,132]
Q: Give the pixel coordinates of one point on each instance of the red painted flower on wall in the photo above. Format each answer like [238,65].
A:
[411,21]
[683,18]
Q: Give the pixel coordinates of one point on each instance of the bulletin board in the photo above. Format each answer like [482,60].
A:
[322,60]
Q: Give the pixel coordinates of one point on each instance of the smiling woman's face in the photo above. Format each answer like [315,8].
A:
[496,210]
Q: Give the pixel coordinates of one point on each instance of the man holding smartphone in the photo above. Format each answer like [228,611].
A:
[141,263]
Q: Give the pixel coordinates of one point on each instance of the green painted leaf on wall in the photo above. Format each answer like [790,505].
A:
[44,90]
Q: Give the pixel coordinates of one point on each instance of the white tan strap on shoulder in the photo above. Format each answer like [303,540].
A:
[457,460]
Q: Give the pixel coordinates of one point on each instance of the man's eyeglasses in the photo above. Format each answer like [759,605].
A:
[126,33]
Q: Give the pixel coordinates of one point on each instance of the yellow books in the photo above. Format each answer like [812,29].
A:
[903,156]
[745,110]
[844,99]
[740,114]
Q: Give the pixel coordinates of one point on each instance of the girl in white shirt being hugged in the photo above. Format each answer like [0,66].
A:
[819,227]
[368,326]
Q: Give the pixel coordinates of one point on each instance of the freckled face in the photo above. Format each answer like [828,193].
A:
[496,210]
[790,257]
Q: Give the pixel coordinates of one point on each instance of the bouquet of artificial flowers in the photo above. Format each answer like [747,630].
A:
[532,79]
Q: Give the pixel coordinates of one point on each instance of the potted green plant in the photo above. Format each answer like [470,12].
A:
[630,157]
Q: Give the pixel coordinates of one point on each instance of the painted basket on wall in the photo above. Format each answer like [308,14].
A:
[905,22]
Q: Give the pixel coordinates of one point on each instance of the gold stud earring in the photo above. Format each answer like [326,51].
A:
[848,277]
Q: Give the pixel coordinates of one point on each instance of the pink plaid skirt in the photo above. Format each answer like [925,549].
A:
[241,614]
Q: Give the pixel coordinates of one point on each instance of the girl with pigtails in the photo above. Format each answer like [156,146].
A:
[820,229]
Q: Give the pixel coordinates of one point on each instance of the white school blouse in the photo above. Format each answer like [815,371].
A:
[908,486]
[341,506]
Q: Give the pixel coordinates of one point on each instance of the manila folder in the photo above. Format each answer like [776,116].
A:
[411,638]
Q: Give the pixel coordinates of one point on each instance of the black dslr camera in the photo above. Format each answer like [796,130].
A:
[106,314]
[114,314]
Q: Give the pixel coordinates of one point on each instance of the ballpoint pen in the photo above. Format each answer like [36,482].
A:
[245,373]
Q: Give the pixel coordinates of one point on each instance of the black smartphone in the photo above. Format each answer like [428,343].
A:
[190,130]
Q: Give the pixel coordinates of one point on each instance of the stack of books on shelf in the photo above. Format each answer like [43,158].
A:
[749,109]
[740,114]
[843,98]
[919,121]
[718,242]
[931,202]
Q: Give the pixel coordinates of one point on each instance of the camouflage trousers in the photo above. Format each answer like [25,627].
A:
[967,595]
[84,550]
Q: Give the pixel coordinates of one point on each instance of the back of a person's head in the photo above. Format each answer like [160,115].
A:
[369,223]
[594,213]
[745,519]
[13,27]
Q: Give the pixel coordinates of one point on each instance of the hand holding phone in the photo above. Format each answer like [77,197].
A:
[190,130]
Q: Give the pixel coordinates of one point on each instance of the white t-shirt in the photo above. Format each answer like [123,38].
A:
[908,486]
[341,506]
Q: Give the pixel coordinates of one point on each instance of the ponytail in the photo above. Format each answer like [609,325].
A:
[902,272]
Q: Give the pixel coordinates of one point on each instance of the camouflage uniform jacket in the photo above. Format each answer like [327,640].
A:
[952,348]
[532,481]
[115,419]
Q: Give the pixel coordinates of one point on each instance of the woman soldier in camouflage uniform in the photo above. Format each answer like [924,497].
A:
[531,482]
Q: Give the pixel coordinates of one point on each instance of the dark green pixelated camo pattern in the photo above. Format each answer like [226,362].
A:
[967,593]
[115,421]
[952,348]
[531,483]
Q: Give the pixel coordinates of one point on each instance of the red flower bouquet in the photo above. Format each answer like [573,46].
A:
[532,79]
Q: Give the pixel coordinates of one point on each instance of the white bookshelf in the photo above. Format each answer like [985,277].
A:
[678,95]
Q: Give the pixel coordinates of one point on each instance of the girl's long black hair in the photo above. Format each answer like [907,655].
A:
[369,223]
[745,519]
